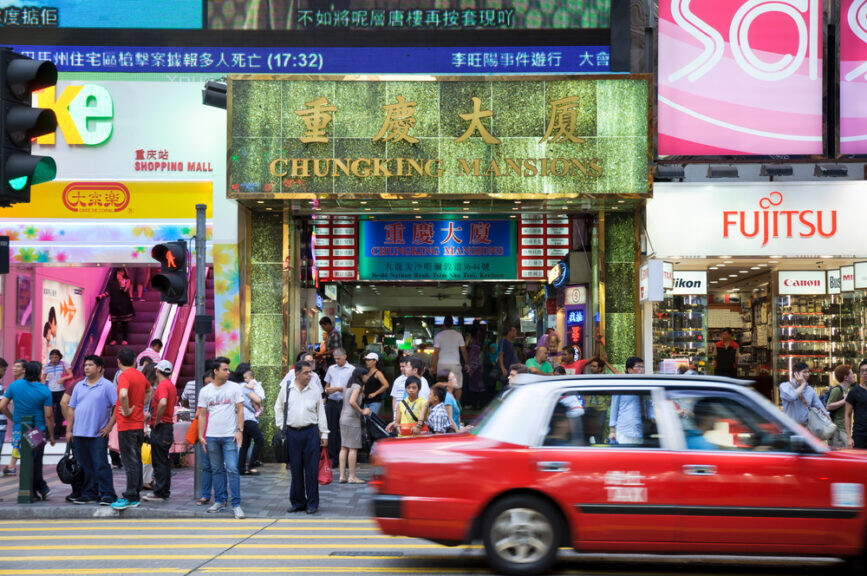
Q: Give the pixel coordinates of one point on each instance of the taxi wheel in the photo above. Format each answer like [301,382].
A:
[521,535]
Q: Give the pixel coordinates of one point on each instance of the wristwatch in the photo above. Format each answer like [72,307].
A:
[239,429]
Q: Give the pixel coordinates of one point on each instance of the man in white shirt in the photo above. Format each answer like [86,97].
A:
[221,413]
[314,377]
[336,378]
[449,348]
[409,366]
[306,430]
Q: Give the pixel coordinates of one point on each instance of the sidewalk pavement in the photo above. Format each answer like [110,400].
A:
[264,496]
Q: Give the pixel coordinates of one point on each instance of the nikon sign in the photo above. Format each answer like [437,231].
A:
[530,137]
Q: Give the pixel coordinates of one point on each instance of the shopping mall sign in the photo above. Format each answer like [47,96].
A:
[452,250]
[84,113]
[517,136]
[762,219]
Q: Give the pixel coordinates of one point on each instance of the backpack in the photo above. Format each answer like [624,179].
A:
[826,395]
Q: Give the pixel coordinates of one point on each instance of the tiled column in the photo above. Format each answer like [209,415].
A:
[621,289]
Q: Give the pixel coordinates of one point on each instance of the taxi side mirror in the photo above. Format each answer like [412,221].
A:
[799,444]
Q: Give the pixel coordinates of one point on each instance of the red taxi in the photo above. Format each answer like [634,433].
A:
[655,464]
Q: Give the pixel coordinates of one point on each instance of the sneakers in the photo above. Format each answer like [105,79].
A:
[72,497]
[82,500]
[107,501]
[9,471]
[123,504]
[216,507]
[153,498]
[239,513]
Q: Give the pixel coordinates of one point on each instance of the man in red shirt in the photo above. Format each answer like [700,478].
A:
[570,363]
[162,435]
[131,389]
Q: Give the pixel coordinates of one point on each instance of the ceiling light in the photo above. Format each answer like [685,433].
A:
[268,208]
[466,209]
[418,217]
[826,257]
[414,202]
[754,268]
[763,265]
[733,275]
[675,257]
[776,170]
[367,209]
[773,261]
[713,282]
[517,201]
[621,201]
[830,171]
[744,271]
[416,209]
[465,216]
[364,202]
[725,257]
[260,201]
[713,268]
[466,201]
[722,172]
[513,216]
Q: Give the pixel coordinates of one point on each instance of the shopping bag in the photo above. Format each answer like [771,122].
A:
[145,453]
[820,424]
[325,474]
[114,440]
[193,432]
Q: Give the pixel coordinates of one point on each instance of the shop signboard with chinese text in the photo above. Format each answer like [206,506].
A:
[797,219]
[575,322]
[512,137]
[312,15]
[740,77]
[30,14]
[446,250]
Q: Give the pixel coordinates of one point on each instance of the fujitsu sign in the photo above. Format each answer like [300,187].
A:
[772,220]
[797,219]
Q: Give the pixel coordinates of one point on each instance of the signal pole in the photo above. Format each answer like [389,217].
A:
[203,325]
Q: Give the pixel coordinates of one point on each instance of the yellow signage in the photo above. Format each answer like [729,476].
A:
[113,200]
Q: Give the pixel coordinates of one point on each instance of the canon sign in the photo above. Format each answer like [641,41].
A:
[767,223]
[802,282]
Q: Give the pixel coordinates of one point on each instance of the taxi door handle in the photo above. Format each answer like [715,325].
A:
[699,469]
[553,466]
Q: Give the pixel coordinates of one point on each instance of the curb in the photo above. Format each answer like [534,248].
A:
[71,512]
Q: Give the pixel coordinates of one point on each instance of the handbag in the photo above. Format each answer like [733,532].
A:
[193,432]
[35,438]
[279,445]
[326,476]
[69,470]
[818,422]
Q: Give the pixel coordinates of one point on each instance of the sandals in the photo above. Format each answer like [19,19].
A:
[357,481]
[203,501]
[342,481]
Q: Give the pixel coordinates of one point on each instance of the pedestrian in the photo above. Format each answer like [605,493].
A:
[506,355]
[332,341]
[554,352]
[163,402]
[221,431]
[17,374]
[131,391]
[207,475]
[449,349]
[375,384]
[154,352]
[336,378]
[120,308]
[539,363]
[856,410]
[4,422]
[141,275]
[514,370]
[570,363]
[56,373]
[32,400]
[350,426]
[626,414]
[411,366]
[836,403]
[726,356]
[797,396]
[90,418]
[437,419]
[409,410]
[315,381]
[543,341]
[450,404]
[253,397]
[306,429]
[475,369]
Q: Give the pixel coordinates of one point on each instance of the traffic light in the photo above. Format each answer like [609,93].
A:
[20,122]
[172,279]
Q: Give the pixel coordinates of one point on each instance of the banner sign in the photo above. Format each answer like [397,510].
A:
[797,219]
[316,15]
[542,242]
[853,77]
[506,137]
[794,282]
[335,248]
[101,13]
[575,329]
[330,60]
[740,77]
[450,250]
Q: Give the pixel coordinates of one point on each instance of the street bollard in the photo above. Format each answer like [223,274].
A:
[25,464]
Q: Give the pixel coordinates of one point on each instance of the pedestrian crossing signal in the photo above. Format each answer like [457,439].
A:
[172,279]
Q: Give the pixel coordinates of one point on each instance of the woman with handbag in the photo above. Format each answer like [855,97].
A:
[350,426]
[799,400]
[33,401]
[409,410]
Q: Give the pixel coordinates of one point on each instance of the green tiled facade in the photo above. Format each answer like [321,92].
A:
[266,310]
[620,287]
[609,115]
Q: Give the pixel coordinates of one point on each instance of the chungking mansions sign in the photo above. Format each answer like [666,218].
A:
[568,136]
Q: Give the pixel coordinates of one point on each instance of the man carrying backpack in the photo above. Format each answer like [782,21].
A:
[835,399]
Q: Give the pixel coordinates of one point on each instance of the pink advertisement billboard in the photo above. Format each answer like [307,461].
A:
[853,77]
[740,77]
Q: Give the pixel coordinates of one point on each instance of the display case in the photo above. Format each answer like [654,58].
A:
[844,324]
[803,335]
[680,332]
